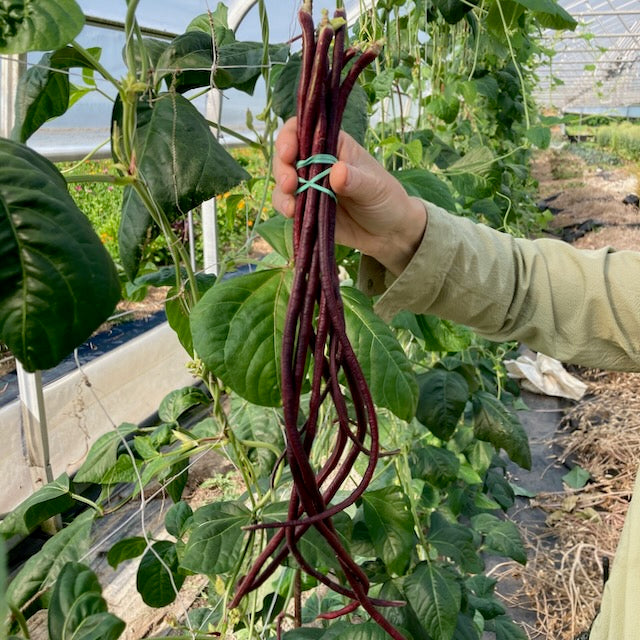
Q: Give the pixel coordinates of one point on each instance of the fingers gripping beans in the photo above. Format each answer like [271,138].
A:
[315,326]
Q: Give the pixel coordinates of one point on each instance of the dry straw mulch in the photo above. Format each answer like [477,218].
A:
[568,555]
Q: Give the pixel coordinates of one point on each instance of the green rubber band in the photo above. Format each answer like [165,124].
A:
[319,158]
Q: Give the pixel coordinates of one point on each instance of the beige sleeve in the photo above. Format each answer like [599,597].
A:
[575,305]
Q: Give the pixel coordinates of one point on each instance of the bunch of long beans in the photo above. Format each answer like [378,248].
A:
[315,325]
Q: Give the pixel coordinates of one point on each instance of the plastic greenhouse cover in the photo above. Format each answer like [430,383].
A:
[86,124]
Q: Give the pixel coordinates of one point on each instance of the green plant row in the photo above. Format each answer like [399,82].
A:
[622,138]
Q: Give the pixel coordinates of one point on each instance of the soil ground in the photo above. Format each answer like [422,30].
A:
[572,533]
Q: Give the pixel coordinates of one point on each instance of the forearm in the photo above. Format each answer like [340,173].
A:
[578,306]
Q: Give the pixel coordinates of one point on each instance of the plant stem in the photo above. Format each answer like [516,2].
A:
[96,64]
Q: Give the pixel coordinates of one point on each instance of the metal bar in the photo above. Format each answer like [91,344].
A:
[34,419]
[588,14]
[104,23]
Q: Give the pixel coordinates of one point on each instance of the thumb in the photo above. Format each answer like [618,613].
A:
[349,181]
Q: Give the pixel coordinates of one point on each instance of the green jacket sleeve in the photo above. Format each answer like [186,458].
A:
[575,305]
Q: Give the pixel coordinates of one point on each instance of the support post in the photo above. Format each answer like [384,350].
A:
[34,420]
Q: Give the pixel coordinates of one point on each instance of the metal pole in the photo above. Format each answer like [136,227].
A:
[34,419]
[213,110]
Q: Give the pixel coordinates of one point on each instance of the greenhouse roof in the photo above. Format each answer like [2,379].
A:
[595,68]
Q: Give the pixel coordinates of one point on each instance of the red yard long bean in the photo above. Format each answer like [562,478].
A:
[315,325]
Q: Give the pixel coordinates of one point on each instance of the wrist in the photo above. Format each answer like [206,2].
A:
[396,253]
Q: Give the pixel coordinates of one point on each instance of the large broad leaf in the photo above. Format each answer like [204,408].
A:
[435,594]
[494,423]
[40,571]
[52,499]
[237,331]
[103,454]
[355,120]
[384,363]
[443,397]
[38,25]
[257,424]
[339,631]
[78,610]
[390,523]
[188,62]
[550,14]
[182,165]
[426,185]
[437,466]
[44,90]
[500,536]
[159,578]
[217,538]
[453,10]
[57,281]
[456,542]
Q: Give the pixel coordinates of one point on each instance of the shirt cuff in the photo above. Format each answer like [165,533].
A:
[421,281]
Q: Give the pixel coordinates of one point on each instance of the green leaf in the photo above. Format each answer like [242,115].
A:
[540,136]
[577,477]
[175,403]
[217,538]
[435,594]
[77,608]
[126,549]
[178,315]
[178,519]
[187,62]
[158,579]
[44,90]
[178,476]
[43,93]
[501,536]
[506,629]
[477,161]
[278,232]
[237,331]
[443,335]
[456,542]
[38,26]
[453,10]
[214,20]
[103,454]
[494,423]
[50,500]
[385,366]
[355,120]
[426,185]
[339,631]
[390,523]
[57,281]
[550,14]
[480,596]
[171,133]
[259,425]
[437,466]
[443,397]
[41,569]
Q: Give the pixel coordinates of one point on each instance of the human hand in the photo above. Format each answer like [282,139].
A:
[375,214]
